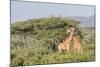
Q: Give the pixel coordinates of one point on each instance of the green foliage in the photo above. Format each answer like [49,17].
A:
[35,42]
[42,23]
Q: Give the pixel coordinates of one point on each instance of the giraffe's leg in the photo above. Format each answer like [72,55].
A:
[67,48]
[59,49]
[81,49]
[75,49]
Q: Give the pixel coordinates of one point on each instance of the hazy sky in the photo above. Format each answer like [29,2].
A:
[28,10]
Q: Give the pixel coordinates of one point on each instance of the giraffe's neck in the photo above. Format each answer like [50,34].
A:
[69,38]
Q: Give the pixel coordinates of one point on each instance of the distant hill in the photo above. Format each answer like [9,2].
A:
[85,21]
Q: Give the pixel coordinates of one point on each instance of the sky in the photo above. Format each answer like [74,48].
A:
[21,10]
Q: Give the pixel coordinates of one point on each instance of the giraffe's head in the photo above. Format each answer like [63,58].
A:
[71,29]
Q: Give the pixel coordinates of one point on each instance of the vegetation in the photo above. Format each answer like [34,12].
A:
[35,42]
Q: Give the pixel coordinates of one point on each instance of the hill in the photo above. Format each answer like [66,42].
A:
[85,21]
[42,23]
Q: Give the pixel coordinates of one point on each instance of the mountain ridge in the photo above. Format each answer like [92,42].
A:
[85,21]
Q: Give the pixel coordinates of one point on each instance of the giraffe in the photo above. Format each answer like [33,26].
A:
[77,43]
[65,45]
